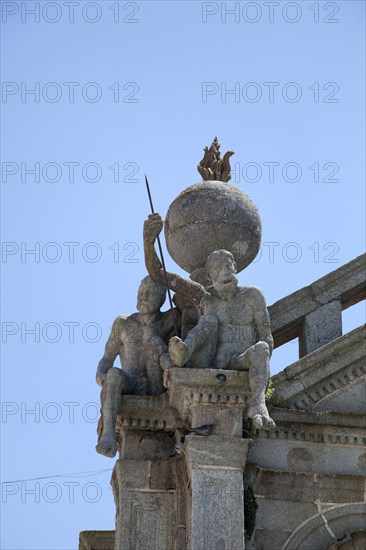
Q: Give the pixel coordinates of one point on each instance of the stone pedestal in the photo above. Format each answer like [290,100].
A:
[209,396]
[193,500]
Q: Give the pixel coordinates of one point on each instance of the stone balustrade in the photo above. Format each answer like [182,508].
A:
[313,313]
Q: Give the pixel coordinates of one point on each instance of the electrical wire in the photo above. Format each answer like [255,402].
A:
[89,473]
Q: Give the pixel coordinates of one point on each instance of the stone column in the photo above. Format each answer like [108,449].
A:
[215,463]
[145,479]
[216,515]
[143,494]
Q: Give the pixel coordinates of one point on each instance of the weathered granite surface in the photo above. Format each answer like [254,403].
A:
[166,472]
[346,284]
[212,215]
[140,340]
[209,396]
[317,381]
[320,327]
[96,540]
[322,443]
[308,474]
[234,330]
[194,228]
[216,514]
[310,467]
[198,466]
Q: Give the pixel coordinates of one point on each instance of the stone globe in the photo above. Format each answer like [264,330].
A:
[209,216]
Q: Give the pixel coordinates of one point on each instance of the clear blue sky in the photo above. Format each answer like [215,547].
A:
[147,89]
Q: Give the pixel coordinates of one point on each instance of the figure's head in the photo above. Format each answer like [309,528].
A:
[151,296]
[221,269]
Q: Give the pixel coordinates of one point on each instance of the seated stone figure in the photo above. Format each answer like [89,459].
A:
[234,331]
[140,340]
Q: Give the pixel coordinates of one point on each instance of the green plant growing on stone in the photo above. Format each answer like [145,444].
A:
[270,390]
[271,396]
[250,511]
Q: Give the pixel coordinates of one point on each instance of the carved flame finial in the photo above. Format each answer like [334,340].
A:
[212,166]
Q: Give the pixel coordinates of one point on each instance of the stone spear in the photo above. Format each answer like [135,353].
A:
[163,263]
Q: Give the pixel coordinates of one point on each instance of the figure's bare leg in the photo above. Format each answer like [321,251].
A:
[114,385]
[165,361]
[157,360]
[256,359]
[200,344]
[155,373]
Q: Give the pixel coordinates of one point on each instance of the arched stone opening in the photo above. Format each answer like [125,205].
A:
[341,526]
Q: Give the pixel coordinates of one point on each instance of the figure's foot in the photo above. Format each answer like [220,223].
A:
[260,417]
[107,446]
[178,351]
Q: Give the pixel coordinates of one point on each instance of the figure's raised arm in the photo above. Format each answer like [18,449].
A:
[191,290]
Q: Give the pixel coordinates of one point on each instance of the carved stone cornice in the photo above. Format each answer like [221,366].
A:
[222,387]
[148,413]
[322,372]
[316,427]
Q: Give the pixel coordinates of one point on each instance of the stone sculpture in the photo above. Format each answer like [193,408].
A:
[140,341]
[212,166]
[208,216]
[234,331]
[190,467]
[178,483]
